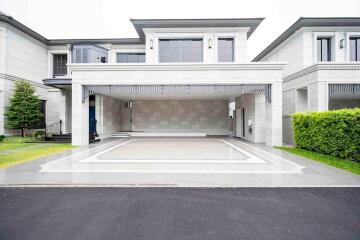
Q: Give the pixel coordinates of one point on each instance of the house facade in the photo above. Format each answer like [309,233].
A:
[323,66]
[176,79]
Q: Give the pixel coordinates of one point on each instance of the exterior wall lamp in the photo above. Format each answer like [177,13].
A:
[342,43]
[151,44]
[210,43]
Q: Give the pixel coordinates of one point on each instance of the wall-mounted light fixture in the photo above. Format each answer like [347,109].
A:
[151,44]
[342,43]
[210,43]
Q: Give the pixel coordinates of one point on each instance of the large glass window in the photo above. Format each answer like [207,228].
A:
[42,122]
[180,50]
[324,49]
[130,57]
[355,49]
[225,50]
[59,64]
[88,53]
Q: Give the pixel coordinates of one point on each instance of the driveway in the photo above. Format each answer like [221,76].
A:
[178,162]
[178,213]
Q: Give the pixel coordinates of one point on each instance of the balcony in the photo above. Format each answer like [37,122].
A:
[185,73]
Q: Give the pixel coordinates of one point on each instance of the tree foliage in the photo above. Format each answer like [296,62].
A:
[24,109]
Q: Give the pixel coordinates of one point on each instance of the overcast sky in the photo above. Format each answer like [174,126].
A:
[110,18]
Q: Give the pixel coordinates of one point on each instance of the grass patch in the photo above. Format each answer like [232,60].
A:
[344,164]
[18,151]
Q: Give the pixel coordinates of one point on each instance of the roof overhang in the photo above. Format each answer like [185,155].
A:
[308,22]
[251,23]
[12,22]
[61,83]
[117,41]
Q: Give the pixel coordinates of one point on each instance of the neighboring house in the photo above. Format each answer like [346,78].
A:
[323,66]
[177,79]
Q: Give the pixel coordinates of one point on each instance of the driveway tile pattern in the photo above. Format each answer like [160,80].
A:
[178,162]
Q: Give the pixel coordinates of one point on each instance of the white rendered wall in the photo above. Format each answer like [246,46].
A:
[25,57]
[254,105]
[209,116]
[209,54]
[291,51]
[273,120]
[80,117]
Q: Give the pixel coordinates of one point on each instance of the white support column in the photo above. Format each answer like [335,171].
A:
[62,110]
[2,107]
[273,112]
[80,117]
[318,96]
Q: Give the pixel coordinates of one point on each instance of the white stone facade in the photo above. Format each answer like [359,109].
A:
[67,96]
[307,82]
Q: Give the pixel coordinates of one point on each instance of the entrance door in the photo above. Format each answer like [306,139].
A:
[126,116]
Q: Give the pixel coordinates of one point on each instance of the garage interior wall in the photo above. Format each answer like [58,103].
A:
[108,115]
[254,105]
[209,116]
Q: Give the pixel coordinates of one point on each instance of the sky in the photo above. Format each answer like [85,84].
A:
[110,18]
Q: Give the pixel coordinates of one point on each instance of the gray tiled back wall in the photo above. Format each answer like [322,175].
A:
[209,116]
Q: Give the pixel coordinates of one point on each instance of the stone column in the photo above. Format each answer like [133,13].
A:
[318,96]
[80,117]
[273,111]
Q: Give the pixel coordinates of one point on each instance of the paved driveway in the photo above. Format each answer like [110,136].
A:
[182,162]
[177,213]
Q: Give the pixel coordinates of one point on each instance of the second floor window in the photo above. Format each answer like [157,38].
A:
[130,57]
[59,64]
[180,50]
[324,49]
[225,50]
[355,49]
[88,53]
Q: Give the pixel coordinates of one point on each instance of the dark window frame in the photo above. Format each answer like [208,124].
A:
[328,49]
[181,48]
[59,64]
[232,49]
[137,54]
[356,48]
[42,108]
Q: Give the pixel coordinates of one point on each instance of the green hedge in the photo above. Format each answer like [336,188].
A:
[332,132]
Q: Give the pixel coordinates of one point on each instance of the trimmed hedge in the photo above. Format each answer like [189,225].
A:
[336,132]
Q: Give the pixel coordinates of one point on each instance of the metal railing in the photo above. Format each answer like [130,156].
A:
[53,128]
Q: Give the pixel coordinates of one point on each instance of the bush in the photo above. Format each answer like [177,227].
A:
[39,134]
[336,133]
[2,138]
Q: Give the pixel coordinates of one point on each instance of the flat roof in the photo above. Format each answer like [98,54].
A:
[308,22]
[140,24]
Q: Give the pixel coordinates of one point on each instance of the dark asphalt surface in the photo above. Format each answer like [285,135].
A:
[178,213]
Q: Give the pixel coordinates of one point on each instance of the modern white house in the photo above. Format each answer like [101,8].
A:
[180,77]
[176,79]
[323,66]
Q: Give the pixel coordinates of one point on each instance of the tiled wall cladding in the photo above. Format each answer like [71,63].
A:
[177,116]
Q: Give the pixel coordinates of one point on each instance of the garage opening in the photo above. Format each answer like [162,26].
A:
[181,110]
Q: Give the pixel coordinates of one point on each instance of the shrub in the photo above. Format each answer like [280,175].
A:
[39,134]
[331,132]
[2,138]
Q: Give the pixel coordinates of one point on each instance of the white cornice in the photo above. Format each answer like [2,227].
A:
[323,66]
[174,67]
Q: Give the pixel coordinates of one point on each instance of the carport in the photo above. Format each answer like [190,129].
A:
[177,99]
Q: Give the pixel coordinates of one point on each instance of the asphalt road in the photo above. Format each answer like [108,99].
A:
[175,213]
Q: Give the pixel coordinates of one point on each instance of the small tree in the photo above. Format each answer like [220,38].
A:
[24,110]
